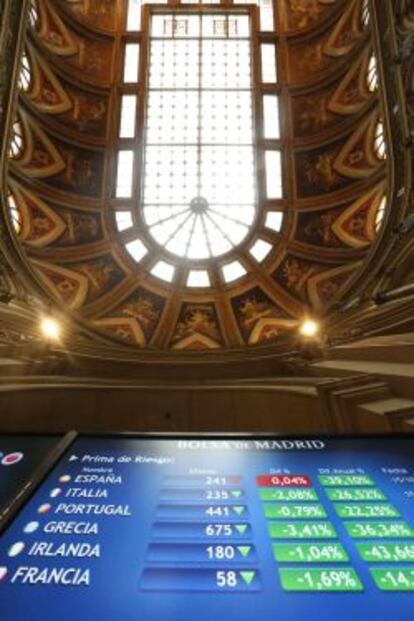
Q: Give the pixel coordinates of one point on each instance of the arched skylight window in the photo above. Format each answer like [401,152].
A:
[33,13]
[25,76]
[233,271]
[199,170]
[365,13]
[380,144]
[17,141]
[189,161]
[380,214]
[15,213]
[372,75]
[163,271]
[198,278]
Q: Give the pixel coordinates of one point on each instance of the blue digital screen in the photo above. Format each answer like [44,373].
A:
[228,529]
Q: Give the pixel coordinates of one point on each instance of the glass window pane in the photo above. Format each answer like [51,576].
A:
[365,13]
[33,13]
[273,166]
[260,250]
[198,278]
[131,62]
[372,76]
[128,116]
[274,220]
[124,175]
[17,141]
[25,75]
[379,219]
[199,170]
[226,26]
[266,15]
[271,117]
[268,56]
[233,271]
[136,249]
[123,220]
[379,143]
[164,271]
[134,15]
[15,214]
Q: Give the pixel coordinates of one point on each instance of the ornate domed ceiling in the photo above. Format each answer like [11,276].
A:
[193,179]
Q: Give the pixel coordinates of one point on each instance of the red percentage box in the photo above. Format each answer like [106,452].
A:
[283,480]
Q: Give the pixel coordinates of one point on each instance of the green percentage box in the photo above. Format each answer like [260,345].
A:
[393,578]
[343,494]
[379,530]
[345,480]
[320,580]
[361,510]
[288,495]
[301,530]
[310,553]
[295,512]
[387,552]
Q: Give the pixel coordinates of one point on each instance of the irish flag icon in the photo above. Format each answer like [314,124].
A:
[16,549]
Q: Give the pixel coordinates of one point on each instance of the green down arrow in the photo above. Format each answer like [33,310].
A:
[236,493]
[241,528]
[238,510]
[244,550]
[248,576]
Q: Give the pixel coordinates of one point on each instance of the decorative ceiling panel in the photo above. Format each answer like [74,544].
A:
[76,163]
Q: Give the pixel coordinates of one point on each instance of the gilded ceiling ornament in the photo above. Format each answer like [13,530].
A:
[320,170]
[197,328]
[304,12]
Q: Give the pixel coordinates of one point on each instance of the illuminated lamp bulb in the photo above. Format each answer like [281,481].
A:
[50,328]
[309,328]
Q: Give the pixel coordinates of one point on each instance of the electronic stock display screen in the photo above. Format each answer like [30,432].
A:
[230,529]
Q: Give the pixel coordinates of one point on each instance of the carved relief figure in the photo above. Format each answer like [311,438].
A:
[304,12]
[259,318]
[319,171]
[310,60]
[251,307]
[86,111]
[319,229]
[314,114]
[103,274]
[197,319]
[295,273]
[136,319]
[144,310]
[82,228]
[252,310]
[82,172]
